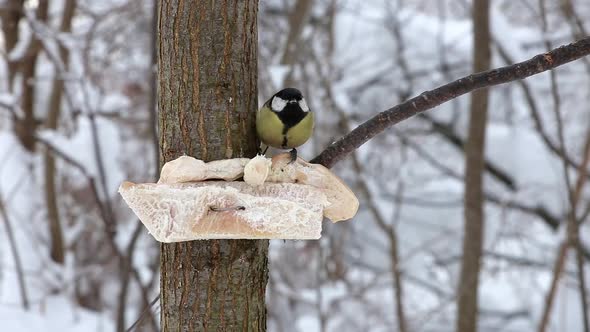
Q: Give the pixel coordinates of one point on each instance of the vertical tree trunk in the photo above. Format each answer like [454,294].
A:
[297,19]
[28,66]
[53,113]
[298,16]
[207,101]
[10,15]
[467,306]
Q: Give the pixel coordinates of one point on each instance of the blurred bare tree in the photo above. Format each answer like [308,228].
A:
[467,304]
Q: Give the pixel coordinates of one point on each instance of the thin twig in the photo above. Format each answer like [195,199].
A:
[17,262]
[126,266]
[96,197]
[535,114]
[143,313]
[549,298]
[574,195]
[447,132]
[574,229]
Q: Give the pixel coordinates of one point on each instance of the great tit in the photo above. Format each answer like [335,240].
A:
[285,121]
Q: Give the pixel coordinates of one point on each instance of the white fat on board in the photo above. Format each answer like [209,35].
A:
[278,104]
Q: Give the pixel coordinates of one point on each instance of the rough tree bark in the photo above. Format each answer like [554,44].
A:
[207,101]
[467,305]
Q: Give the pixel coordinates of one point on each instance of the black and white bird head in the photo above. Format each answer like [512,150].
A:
[288,100]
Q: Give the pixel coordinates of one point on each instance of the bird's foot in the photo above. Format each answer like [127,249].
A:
[293,154]
[259,149]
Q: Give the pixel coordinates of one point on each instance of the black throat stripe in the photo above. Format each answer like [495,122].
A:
[291,115]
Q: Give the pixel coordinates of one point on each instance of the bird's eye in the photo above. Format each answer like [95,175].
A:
[278,104]
[303,105]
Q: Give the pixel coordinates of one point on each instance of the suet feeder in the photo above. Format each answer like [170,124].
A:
[195,200]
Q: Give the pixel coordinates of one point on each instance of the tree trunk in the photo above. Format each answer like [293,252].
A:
[55,230]
[207,101]
[474,168]
[297,19]
[28,66]
[298,16]
[10,15]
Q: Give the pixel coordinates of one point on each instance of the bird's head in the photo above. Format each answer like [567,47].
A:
[288,97]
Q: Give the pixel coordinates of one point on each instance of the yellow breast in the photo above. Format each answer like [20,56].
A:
[270,130]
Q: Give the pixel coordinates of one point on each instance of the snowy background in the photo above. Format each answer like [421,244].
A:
[352,59]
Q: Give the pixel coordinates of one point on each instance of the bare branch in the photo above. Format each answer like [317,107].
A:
[17,262]
[447,132]
[430,99]
[104,217]
[574,195]
[391,233]
[549,298]
[573,237]
[574,228]
[143,314]
[535,113]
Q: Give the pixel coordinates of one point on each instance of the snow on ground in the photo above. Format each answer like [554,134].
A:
[53,314]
